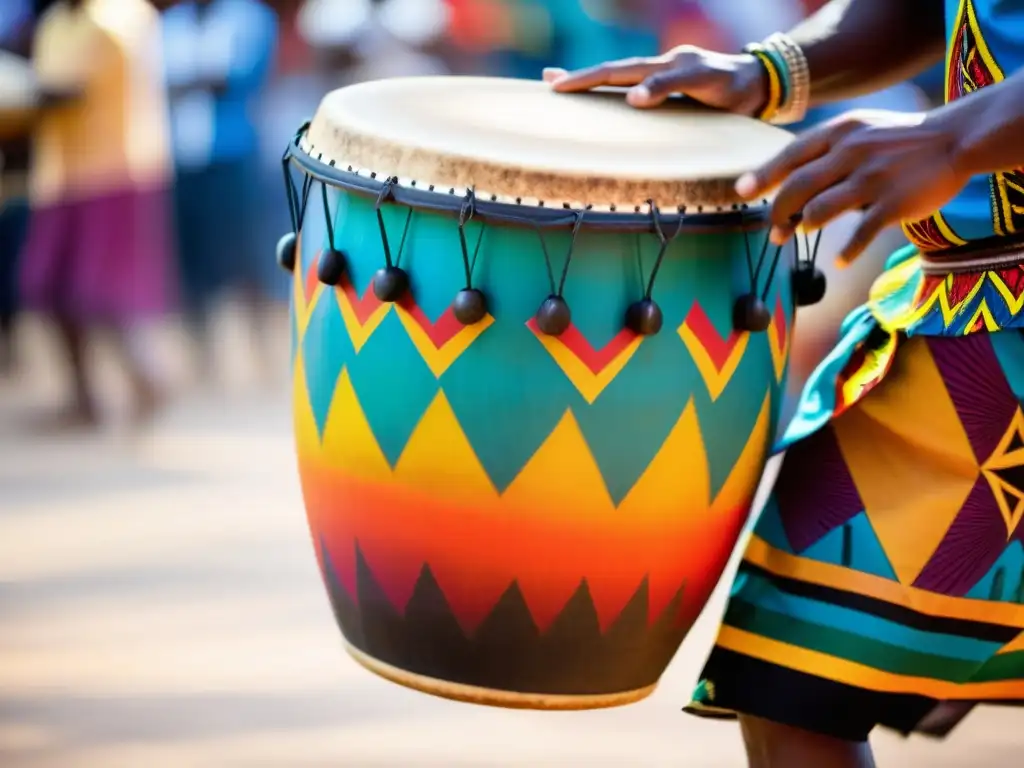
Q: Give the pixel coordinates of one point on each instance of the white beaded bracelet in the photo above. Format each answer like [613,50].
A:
[798,97]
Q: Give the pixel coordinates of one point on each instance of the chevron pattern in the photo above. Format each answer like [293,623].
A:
[474,467]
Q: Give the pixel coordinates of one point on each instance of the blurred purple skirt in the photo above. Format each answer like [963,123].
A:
[103,258]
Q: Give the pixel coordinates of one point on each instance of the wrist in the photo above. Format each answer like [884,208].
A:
[788,78]
[966,130]
[753,82]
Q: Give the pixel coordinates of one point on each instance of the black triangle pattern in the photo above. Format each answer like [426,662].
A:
[507,651]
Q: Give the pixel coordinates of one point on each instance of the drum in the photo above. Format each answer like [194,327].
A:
[539,352]
[18,96]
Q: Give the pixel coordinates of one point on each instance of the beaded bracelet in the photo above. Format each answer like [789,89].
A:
[778,87]
[794,109]
[783,59]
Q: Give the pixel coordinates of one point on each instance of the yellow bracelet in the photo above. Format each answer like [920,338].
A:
[774,86]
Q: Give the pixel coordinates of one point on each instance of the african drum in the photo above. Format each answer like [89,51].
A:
[539,350]
[18,96]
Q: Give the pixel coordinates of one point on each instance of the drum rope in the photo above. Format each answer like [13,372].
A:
[812,251]
[771,273]
[296,203]
[327,217]
[572,248]
[466,214]
[383,196]
[665,242]
[577,224]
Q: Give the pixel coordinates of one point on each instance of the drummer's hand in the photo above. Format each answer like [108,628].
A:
[734,82]
[893,166]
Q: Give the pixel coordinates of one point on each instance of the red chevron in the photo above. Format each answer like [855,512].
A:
[779,326]
[312,281]
[1013,278]
[718,349]
[362,307]
[595,359]
[441,332]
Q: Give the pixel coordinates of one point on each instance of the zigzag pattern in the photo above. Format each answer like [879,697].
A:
[398,359]
[948,305]
[553,526]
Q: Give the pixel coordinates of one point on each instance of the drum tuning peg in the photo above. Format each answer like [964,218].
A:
[470,306]
[331,268]
[809,284]
[286,248]
[390,283]
[554,316]
[644,317]
[749,313]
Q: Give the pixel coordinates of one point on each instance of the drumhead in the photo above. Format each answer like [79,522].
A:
[517,140]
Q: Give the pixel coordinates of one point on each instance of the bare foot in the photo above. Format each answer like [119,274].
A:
[71,418]
[149,401]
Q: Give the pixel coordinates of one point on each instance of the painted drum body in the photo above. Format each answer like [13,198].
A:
[514,518]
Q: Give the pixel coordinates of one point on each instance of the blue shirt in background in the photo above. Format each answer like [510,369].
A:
[14,16]
[229,40]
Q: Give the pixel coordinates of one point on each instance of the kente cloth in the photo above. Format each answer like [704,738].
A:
[883,583]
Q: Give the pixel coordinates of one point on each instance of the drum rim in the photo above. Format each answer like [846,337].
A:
[720,219]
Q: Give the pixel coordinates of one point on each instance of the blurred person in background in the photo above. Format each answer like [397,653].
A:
[97,253]
[219,56]
[16,21]
[368,39]
[515,38]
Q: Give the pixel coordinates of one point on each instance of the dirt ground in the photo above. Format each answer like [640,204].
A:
[160,606]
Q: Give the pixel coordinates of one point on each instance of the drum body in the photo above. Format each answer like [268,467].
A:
[510,517]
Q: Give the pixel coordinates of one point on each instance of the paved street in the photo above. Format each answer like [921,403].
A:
[160,606]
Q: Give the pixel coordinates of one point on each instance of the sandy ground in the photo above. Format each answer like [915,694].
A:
[160,606]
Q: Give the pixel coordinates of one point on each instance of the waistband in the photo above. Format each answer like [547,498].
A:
[978,256]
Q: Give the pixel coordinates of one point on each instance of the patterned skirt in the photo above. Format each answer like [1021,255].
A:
[883,583]
[100,258]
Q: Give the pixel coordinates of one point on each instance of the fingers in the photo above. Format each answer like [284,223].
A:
[810,146]
[807,147]
[615,73]
[551,74]
[875,219]
[809,197]
[657,87]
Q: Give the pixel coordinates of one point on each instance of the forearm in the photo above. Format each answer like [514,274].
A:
[987,127]
[855,47]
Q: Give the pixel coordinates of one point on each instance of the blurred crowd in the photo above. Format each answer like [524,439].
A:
[148,191]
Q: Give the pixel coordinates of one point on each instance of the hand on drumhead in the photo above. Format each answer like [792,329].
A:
[893,166]
[733,82]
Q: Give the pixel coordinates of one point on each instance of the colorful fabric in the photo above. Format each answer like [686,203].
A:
[986,42]
[100,259]
[884,581]
[887,571]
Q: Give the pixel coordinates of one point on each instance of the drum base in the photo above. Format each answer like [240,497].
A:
[490,697]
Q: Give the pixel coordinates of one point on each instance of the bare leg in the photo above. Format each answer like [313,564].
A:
[144,374]
[258,309]
[82,410]
[197,319]
[8,352]
[771,745]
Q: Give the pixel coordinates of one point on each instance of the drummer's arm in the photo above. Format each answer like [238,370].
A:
[987,126]
[854,47]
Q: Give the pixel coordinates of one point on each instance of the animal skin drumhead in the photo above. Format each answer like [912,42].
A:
[516,138]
